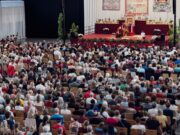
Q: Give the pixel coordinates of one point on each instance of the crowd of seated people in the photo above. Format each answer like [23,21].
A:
[52,89]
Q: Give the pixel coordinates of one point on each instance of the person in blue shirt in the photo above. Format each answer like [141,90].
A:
[58,117]
[10,120]
[177,69]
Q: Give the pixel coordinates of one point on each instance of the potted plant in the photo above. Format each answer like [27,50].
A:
[178,35]
[74,31]
[60,26]
[171,36]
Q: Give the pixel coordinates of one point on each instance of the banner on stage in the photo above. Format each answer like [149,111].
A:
[111,4]
[136,7]
[162,6]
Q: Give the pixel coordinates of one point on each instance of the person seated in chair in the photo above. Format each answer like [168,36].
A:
[56,116]
[125,29]
[139,126]
[124,123]
[119,32]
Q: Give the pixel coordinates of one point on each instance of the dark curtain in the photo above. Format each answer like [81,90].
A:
[74,12]
[42,17]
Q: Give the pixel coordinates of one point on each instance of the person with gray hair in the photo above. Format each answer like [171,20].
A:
[56,116]
[60,102]
[65,110]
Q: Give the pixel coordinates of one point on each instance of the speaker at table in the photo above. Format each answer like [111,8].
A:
[157,32]
[163,37]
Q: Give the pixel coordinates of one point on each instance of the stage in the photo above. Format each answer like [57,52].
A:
[110,39]
[112,36]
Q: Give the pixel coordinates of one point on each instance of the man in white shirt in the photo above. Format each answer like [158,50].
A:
[88,100]
[65,111]
[57,53]
[153,111]
[19,107]
[139,126]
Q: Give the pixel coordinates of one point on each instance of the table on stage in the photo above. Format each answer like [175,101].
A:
[99,27]
[149,28]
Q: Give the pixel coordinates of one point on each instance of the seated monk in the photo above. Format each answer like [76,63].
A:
[125,29]
[119,32]
[122,30]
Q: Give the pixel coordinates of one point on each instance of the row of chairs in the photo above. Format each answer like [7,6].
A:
[19,117]
[132,131]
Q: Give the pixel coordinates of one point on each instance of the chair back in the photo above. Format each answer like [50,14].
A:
[151,132]
[129,116]
[67,117]
[122,130]
[132,122]
[20,120]
[19,113]
[136,132]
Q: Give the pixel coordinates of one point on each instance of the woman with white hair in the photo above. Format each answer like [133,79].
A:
[65,110]
[60,102]
[45,125]
[135,79]
[31,110]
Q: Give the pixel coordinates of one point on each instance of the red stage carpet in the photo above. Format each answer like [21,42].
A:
[110,39]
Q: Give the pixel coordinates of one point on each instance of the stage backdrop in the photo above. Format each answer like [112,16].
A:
[111,4]
[136,7]
[93,11]
[162,6]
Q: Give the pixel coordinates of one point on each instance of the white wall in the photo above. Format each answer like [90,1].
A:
[12,18]
[178,10]
[90,14]
[93,11]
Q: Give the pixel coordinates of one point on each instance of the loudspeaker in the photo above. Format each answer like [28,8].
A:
[163,37]
[174,6]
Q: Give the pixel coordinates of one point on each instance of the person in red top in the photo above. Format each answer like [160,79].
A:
[61,129]
[11,69]
[119,32]
[88,93]
[112,120]
[152,81]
